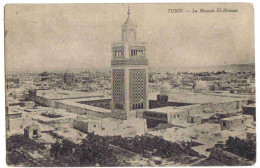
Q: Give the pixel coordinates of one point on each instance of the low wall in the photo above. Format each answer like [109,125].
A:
[43,101]
[77,110]
[156,104]
[104,103]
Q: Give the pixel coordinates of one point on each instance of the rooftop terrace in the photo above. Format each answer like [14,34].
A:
[66,94]
[198,98]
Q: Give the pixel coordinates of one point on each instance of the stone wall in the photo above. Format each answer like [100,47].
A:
[104,103]
[42,101]
[156,104]
[77,109]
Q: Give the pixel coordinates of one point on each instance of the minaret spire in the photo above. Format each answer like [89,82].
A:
[128,28]
[128,20]
[128,13]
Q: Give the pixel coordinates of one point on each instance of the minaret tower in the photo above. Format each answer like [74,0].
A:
[129,71]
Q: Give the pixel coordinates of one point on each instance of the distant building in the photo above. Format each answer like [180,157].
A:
[165,89]
[201,86]
[69,79]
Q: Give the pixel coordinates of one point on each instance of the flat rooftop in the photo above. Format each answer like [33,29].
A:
[64,114]
[235,117]
[76,103]
[66,94]
[198,98]
[165,110]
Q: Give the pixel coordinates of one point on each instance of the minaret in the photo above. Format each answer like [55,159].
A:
[129,71]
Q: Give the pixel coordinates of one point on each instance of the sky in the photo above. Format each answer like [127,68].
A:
[69,37]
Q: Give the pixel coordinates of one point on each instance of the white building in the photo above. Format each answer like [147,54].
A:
[236,122]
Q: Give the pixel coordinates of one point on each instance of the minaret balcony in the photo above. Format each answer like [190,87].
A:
[130,61]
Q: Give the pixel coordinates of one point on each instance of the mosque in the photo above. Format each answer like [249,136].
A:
[131,108]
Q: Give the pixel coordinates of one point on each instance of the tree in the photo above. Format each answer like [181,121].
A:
[92,151]
[240,147]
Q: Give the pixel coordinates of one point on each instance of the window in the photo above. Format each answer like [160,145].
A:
[118,88]
[137,88]
[242,121]
[136,52]
[118,51]
[94,125]
[35,132]
[224,124]
[178,116]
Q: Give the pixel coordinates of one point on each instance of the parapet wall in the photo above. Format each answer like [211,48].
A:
[77,109]
[103,103]
[157,104]
[215,107]
[42,101]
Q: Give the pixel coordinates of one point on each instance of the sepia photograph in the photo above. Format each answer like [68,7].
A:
[130,85]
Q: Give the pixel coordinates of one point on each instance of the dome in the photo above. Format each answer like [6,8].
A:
[165,89]
[201,86]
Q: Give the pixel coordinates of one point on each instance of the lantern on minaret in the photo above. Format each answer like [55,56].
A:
[129,71]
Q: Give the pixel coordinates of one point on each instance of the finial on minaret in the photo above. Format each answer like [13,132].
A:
[128,10]
[128,20]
